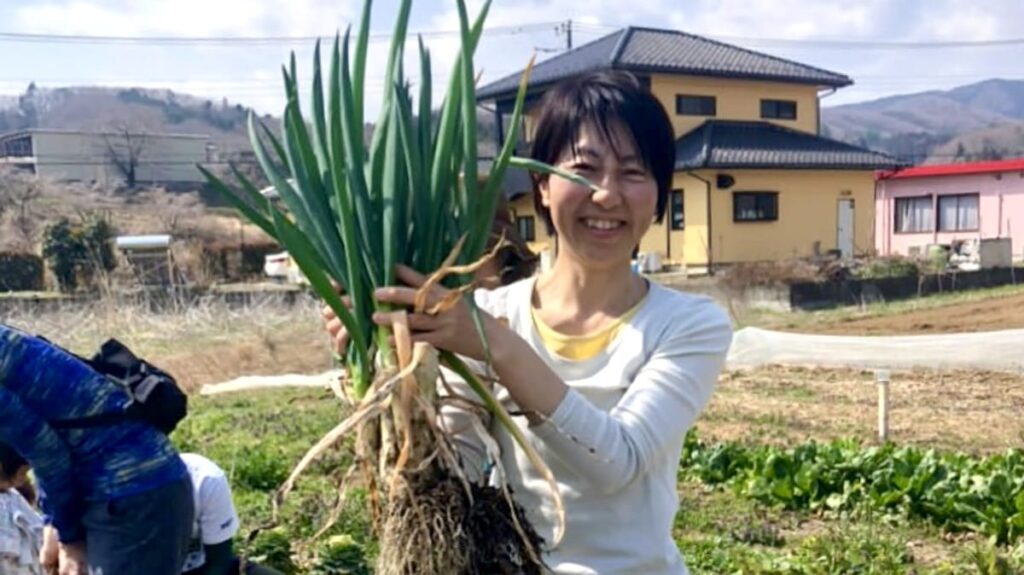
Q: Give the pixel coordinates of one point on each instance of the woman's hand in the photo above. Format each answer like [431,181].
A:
[450,329]
[73,559]
[49,554]
[534,387]
[333,325]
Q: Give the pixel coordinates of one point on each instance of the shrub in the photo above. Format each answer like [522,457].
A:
[254,256]
[21,272]
[233,262]
[888,267]
[79,252]
[742,276]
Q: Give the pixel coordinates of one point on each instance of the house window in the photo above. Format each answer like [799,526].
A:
[778,109]
[20,147]
[525,226]
[678,214]
[689,105]
[958,213]
[914,215]
[755,206]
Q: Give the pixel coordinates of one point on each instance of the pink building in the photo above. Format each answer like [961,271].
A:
[925,205]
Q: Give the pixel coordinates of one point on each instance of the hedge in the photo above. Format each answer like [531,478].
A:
[233,262]
[21,272]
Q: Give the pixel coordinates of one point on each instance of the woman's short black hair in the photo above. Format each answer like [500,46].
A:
[10,461]
[605,99]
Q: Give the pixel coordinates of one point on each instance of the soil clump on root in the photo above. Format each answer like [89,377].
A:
[431,526]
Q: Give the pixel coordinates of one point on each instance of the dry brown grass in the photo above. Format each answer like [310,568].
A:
[212,342]
[200,344]
[956,410]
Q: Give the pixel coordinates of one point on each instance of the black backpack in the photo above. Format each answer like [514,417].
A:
[156,397]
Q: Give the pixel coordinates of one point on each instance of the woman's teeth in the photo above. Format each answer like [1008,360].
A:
[601,224]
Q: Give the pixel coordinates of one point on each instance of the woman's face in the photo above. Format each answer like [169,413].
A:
[599,230]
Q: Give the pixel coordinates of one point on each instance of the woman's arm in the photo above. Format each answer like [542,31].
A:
[611,448]
[37,442]
[219,558]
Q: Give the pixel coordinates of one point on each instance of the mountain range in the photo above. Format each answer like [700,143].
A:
[979,121]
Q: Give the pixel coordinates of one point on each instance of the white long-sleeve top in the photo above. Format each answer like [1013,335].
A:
[21,535]
[614,441]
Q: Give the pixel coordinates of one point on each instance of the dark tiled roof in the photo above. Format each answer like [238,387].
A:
[742,144]
[515,182]
[646,50]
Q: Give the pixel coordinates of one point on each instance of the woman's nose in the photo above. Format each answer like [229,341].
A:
[610,194]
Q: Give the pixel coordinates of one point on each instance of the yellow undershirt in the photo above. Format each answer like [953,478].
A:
[582,347]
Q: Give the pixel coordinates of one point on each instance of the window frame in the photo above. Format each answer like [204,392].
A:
[16,147]
[756,194]
[771,109]
[675,204]
[957,197]
[896,214]
[531,225]
[702,99]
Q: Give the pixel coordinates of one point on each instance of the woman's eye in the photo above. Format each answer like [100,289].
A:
[583,167]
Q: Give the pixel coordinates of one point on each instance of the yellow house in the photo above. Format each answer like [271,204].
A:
[754,178]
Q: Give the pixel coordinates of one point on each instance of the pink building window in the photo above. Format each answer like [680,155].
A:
[914,215]
[958,213]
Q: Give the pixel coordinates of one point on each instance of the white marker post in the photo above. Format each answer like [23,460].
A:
[882,377]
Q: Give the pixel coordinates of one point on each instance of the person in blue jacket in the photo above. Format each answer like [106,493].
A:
[118,494]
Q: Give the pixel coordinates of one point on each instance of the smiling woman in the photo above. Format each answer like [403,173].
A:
[606,370]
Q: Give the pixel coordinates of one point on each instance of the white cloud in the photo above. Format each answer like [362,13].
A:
[184,17]
[249,74]
[791,19]
[973,22]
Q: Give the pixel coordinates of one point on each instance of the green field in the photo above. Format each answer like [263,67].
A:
[746,507]
[737,513]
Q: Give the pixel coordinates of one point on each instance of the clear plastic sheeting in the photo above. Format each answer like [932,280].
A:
[994,350]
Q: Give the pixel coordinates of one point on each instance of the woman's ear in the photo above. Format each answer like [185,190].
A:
[545,192]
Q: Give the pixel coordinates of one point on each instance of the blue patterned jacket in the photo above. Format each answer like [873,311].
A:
[41,384]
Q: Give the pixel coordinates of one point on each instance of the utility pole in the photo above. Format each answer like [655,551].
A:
[566,28]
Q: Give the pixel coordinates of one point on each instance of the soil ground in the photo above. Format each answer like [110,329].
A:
[974,411]
[992,314]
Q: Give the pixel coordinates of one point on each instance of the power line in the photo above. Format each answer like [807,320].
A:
[245,40]
[871,45]
[258,84]
[835,44]
[561,27]
[371,79]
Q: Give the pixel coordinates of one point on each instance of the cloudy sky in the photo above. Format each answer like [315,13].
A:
[886,46]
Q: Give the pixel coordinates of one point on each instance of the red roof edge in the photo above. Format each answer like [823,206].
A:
[953,169]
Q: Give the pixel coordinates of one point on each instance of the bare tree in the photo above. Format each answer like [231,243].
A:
[18,192]
[5,200]
[124,149]
[25,222]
